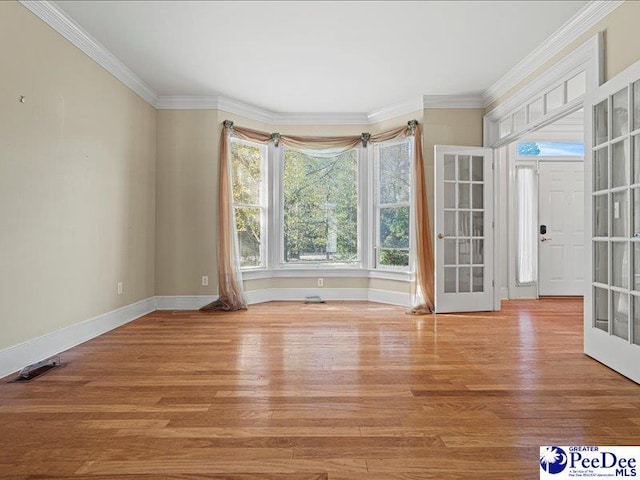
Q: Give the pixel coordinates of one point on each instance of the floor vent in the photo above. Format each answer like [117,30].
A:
[36,370]
[313,299]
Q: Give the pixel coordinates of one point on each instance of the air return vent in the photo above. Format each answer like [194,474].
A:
[38,369]
[313,299]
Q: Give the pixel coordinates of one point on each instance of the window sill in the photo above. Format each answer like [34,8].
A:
[400,276]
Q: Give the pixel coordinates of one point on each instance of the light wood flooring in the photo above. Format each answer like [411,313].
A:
[338,391]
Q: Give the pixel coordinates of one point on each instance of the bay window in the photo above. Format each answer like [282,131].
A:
[299,211]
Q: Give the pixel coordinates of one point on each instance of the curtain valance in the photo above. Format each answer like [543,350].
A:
[231,293]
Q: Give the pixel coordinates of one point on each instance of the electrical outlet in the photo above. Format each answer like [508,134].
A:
[120,289]
[205,280]
[321,282]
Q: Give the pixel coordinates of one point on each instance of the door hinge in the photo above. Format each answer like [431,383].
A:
[493,283]
[493,224]
[491,165]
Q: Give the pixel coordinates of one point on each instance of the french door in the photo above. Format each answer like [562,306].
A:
[464,229]
[612,183]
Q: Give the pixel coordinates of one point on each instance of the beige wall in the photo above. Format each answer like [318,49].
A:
[77,184]
[187,166]
[448,126]
[621,45]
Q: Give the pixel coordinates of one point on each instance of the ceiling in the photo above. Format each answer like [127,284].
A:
[320,56]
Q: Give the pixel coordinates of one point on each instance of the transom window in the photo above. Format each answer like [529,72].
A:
[551,149]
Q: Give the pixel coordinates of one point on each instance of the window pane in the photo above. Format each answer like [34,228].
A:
[554,98]
[551,149]
[527,238]
[600,217]
[478,279]
[449,195]
[636,157]
[601,308]
[450,280]
[478,168]
[635,274]
[248,227]
[620,309]
[478,196]
[620,164]
[394,227]
[320,208]
[478,222]
[394,258]
[395,173]
[636,320]
[464,252]
[620,114]
[450,223]
[478,252]
[636,112]
[463,168]
[619,209]
[463,223]
[247,178]
[600,121]
[464,279]
[601,262]
[449,251]
[620,264]
[600,169]
[576,86]
[449,167]
[463,195]
[520,119]
[536,110]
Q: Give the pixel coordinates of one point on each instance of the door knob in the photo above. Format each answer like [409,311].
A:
[544,239]
[441,236]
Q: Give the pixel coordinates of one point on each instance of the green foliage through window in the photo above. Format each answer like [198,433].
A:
[320,208]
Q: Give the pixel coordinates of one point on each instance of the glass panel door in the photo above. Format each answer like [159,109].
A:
[463,203]
[612,309]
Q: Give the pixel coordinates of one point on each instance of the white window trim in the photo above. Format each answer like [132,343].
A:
[376,206]
[262,202]
[272,224]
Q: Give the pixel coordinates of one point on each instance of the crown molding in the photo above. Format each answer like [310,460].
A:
[452,101]
[395,110]
[580,23]
[69,29]
[586,18]
[229,105]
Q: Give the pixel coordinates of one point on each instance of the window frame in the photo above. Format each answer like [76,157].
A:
[272,221]
[262,206]
[377,207]
[277,234]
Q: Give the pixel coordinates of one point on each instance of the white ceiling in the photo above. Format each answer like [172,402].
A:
[320,56]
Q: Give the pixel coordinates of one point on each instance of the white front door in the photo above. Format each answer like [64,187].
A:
[561,213]
[612,185]
[464,229]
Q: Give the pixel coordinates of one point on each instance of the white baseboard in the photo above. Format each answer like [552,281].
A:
[194,302]
[402,299]
[183,302]
[18,356]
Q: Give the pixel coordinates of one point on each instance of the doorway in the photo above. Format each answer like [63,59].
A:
[544,214]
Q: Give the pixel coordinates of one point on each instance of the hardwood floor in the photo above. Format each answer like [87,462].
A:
[309,392]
